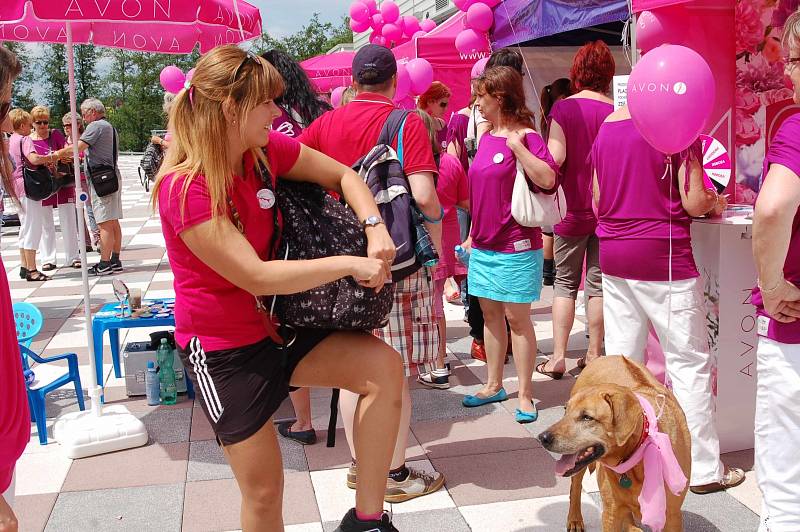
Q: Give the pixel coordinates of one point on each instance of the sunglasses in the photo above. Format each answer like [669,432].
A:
[249,56]
[443,105]
[5,107]
[42,122]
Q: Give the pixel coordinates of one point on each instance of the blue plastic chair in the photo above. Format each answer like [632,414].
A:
[29,321]
[47,377]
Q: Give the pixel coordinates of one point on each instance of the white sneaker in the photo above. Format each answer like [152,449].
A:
[438,378]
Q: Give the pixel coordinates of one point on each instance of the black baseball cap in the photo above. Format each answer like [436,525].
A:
[374,64]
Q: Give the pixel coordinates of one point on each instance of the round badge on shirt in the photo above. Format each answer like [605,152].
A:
[266,198]
[498,158]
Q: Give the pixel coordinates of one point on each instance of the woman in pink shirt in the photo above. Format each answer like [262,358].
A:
[574,122]
[15,421]
[644,207]
[217,218]
[776,249]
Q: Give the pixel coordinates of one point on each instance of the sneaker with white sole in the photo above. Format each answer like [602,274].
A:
[101,268]
[417,484]
[438,378]
[351,523]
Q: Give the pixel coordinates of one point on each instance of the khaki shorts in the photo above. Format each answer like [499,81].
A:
[570,253]
[108,207]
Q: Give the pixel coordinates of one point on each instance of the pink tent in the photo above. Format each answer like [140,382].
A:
[449,66]
[329,71]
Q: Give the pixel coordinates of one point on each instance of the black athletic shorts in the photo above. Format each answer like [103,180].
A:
[243,387]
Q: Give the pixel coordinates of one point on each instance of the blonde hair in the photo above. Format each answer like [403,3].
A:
[19,117]
[225,76]
[430,125]
[10,68]
[40,112]
[791,30]
[347,96]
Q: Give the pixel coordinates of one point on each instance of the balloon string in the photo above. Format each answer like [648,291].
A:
[671,170]
[524,61]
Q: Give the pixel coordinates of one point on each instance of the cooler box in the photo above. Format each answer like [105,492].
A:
[136,355]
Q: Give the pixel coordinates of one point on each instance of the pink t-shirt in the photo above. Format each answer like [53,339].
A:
[580,118]
[17,145]
[15,420]
[785,150]
[287,124]
[452,188]
[220,314]
[635,209]
[491,182]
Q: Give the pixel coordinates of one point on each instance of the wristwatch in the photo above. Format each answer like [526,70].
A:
[371,221]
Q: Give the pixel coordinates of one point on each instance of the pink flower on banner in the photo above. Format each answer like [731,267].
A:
[745,195]
[747,130]
[776,95]
[782,12]
[772,51]
[749,29]
[747,100]
[759,75]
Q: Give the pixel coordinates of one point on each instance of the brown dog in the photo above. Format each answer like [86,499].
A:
[604,423]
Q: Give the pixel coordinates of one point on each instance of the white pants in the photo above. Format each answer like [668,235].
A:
[628,306]
[777,431]
[32,220]
[8,495]
[47,249]
[68,220]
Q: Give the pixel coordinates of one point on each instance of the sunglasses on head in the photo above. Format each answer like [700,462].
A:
[42,122]
[5,107]
[249,56]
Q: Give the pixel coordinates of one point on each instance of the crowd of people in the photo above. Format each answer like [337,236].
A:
[245,118]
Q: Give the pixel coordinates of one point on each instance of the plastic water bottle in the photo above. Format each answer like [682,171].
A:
[166,359]
[152,385]
[462,255]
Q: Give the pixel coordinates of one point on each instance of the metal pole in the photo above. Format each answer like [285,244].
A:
[81,197]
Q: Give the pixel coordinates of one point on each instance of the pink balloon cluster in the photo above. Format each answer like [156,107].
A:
[173,79]
[480,19]
[665,25]
[388,27]
[413,78]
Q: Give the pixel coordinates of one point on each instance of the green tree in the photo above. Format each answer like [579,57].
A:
[87,80]
[51,74]
[314,38]
[22,90]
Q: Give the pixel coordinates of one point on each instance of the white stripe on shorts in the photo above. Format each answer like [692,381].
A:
[197,357]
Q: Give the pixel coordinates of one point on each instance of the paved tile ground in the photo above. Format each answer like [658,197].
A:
[498,476]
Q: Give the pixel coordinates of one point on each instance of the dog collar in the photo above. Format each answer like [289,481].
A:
[645,434]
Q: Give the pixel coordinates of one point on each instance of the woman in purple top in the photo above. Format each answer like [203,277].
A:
[300,105]
[456,133]
[644,204]
[574,122]
[776,248]
[505,268]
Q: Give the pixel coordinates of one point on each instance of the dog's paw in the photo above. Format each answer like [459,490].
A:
[575,525]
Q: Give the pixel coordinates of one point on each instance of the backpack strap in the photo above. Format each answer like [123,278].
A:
[393,126]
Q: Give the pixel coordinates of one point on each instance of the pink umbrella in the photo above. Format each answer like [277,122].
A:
[329,71]
[165,26]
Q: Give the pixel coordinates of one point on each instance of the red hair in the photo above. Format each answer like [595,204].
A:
[593,68]
[505,84]
[437,91]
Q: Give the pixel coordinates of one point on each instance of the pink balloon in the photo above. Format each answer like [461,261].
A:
[359,26]
[666,25]
[411,25]
[478,68]
[671,85]
[172,79]
[419,34]
[371,5]
[480,17]
[359,12]
[463,5]
[492,3]
[380,40]
[420,72]
[403,82]
[392,32]
[377,22]
[336,96]
[405,103]
[470,41]
[390,11]
[427,24]
[190,75]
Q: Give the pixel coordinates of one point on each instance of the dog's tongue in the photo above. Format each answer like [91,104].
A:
[565,463]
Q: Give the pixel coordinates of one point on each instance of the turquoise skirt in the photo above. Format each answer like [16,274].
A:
[506,277]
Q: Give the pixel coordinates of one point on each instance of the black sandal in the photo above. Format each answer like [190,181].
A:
[555,375]
[48,267]
[23,272]
[36,276]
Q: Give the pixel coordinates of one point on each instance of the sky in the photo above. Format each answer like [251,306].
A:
[284,17]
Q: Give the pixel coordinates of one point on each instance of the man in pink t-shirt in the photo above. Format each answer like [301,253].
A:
[776,249]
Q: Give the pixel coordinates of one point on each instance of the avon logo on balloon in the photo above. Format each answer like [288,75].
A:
[678,88]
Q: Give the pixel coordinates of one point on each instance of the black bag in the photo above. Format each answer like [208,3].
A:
[151,160]
[39,181]
[104,177]
[315,225]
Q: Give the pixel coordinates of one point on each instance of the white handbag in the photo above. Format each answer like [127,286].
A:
[535,209]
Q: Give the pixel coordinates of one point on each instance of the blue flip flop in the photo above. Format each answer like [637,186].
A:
[523,417]
[471,401]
